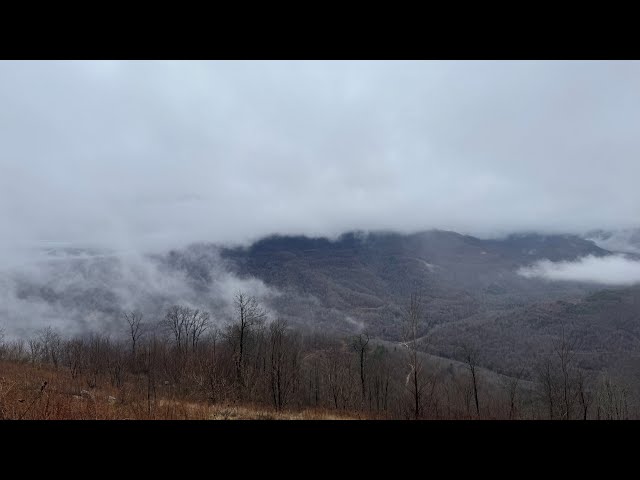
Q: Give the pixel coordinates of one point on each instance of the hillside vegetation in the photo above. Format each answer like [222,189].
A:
[184,367]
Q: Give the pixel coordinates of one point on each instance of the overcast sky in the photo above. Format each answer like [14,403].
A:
[152,154]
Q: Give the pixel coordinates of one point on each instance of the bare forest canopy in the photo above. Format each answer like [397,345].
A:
[183,366]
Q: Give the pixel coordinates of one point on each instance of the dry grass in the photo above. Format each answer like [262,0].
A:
[25,395]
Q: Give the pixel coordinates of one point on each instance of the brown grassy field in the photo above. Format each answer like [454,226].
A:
[24,395]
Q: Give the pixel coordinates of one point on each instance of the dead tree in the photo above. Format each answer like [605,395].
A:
[174,323]
[471,354]
[115,366]
[565,353]
[547,381]
[35,350]
[283,359]
[249,314]
[197,325]
[51,344]
[512,391]
[148,357]
[134,321]
[612,400]
[414,383]
[585,396]
[379,379]
[336,371]
[214,366]
[73,355]
[360,344]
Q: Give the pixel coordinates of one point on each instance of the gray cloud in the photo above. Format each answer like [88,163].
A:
[627,241]
[147,155]
[609,270]
[87,291]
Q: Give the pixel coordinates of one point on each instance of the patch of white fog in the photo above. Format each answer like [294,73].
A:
[357,323]
[625,241]
[610,270]
[77,292]
[430,266]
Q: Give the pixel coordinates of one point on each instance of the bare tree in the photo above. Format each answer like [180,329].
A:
[465,392]
[213,336]
[511,384]
[283,363]
[470,355]
[186,326]
[35,350]
[214,367]
[612,400]
[51,345]
[149,359]
[360,344]
[134,321]
[565,353]
[115,366]
[248,315]
[73,355]
[197,323]
[97,358]
[547,381]
[585,396]
[174,323]
[336,367]
[380,379]
[413,322]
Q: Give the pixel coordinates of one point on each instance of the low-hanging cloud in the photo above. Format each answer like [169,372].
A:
[79,291]
[624,241]
[151,155]
[618,270]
